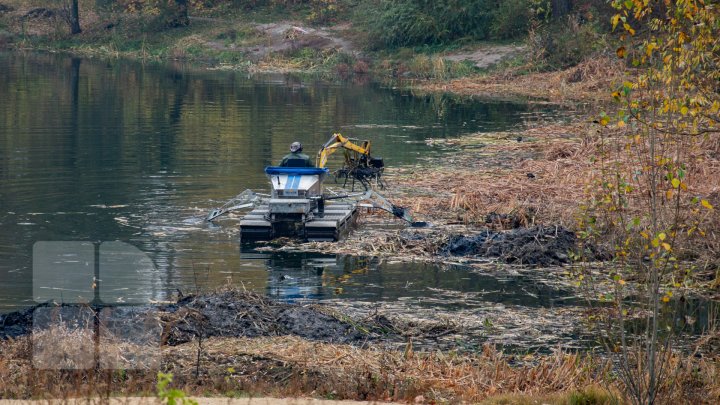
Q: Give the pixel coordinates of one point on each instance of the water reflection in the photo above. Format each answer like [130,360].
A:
[305,275]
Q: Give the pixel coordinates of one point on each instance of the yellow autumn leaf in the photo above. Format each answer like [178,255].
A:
[666,299]
[620,124]
[621,282]
[655,242]
[706,204]
[662,236]
[650,47]
[669,194]
[666,246]
[604,121]
[620,52]
[675,183]
[628,28]
[683,110]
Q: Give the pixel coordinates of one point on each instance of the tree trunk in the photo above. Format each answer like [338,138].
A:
[181,18]
[560,8]
[75,18]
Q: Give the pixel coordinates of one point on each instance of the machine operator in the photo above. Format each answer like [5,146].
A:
[296,158]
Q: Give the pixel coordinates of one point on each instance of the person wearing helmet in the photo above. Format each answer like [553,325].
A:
[296,158]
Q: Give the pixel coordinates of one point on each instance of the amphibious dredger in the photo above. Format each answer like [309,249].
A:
[299,206]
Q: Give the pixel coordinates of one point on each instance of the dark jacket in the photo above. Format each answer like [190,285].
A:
[296,156]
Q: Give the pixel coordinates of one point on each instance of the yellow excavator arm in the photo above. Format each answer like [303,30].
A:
[338,141]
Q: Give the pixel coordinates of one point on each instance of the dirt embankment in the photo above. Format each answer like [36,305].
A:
[287,36]
[232,313]
[590,81]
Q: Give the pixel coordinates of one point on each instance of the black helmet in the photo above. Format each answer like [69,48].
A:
[295,147]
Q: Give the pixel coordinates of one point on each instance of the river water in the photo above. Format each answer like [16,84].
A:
[136,155]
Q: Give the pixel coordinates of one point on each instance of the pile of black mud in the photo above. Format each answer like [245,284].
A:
[232,313]
[17,323]
[538,246]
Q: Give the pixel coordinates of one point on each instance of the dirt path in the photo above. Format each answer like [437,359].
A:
[284,35]
[487,55]
[288,35]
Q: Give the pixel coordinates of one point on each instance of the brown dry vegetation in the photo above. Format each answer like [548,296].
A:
[587,81]
[291,366]
[535,176]
[539,176]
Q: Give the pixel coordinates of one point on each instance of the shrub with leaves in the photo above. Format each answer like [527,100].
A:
[171,396]
[649,200]
[400,23]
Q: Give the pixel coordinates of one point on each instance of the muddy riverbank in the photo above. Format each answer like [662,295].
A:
[233,313]
[225,313]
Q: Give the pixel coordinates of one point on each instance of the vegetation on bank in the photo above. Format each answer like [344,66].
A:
[408,38]
[291,366]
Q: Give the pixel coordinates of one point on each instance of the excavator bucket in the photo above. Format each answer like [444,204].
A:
[404,214]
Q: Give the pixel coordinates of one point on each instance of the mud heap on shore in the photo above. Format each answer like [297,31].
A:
[231,313]
[536,246]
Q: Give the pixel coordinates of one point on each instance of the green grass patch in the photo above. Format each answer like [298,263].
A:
[587,396]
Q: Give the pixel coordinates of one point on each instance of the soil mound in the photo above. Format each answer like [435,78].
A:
[17,323]
[535,246]
[228,313]
[233,313]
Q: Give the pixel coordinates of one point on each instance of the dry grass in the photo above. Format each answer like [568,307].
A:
[377,374]
[587,81]
[291,366]
[539,179]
